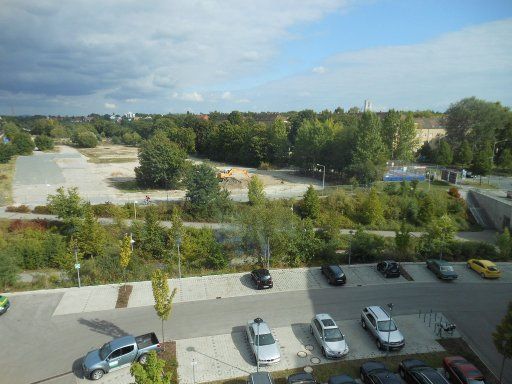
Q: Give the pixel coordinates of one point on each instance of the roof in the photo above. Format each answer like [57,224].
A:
[379,312]
[260,378]
[121,342]
[487,263]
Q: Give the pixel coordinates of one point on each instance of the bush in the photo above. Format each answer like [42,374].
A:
[19,209]
[23,143]
[20,225]
[462,251]
[42,210]
[7,151]
[85,139]
[454,192]
[44,143]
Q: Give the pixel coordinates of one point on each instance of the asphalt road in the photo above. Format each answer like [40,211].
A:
[36,346]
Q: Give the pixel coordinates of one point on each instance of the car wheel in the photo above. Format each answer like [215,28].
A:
[379,344]
[143,359]
[363,324]
[323,352]
[483,275]
[401,372]
[97,374]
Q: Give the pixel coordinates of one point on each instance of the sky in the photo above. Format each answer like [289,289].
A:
[61,57]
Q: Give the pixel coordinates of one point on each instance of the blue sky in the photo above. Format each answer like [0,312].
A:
[59,57]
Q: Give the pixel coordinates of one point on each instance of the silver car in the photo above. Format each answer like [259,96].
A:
[264,347]
[382,327]
[332,342]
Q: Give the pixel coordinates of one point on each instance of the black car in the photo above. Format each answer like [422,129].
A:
[442,269]
[260,378]
[301,378]
[262,278]
[334,274]
[417,372]
[341,379]
[375,372]
[389,268]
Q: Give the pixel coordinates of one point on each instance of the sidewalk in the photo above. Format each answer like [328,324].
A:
[104,297]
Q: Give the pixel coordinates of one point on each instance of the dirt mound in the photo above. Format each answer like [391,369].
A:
[234,183]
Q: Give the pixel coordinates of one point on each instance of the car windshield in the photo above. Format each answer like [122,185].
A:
[447,268]
[473,381]
[265,339]
[386,326]
[494,269]
[105,351]
[333,334]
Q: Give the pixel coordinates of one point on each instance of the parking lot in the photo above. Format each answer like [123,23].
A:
[228,356]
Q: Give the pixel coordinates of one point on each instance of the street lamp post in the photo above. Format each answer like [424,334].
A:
[258,321]
[131,241]
[350,251]
[390,306]
[77,266]
[178,243]
[194,363]
[323,176]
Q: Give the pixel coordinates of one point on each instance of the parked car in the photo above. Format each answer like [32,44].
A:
[332,342]
[119,353]
[485,268]
[442,269]
[461,371]
[334,274]
[260,378]
[341,379]
[5,304]
[262,342]
[301,378]
[380,325]
[262,278]
[389,268]
[417,372]
[375,372]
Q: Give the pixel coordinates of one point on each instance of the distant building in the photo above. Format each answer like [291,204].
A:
[204,117]
[367,106]
[429,129]
[129,115]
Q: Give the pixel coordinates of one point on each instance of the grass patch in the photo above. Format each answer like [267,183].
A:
[458,347]
[6,176]
[127,186]
[109,160]
[322,372]
[123,295]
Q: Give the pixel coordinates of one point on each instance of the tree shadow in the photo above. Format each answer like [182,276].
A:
[103,327]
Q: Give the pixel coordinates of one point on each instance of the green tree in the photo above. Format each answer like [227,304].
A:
[366,247]
[44,142]
[310,206]
[505,244]
[7,151]
[390,132]
[150,236]
[152,372]
[403,240]
[91,236]
[407,139]
[372,211]
[200,249]
[162,162]
[44,126]
[440,233]
[312,138]
[464,155]
[85,139]
[163,301]
[68,206]
[482,161]
[256,194]
[23,143]
[8,269]
[426,209]
[278,145]
[505,159]
[125,253]
[444,153]
[502,338]
[204,195]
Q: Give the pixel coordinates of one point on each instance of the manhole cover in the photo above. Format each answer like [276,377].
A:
[308,369]
[315,360]
[309,347]
[302,354]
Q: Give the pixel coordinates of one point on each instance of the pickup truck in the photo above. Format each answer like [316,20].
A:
[119,353]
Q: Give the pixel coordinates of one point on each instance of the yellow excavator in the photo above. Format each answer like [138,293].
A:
[228,173]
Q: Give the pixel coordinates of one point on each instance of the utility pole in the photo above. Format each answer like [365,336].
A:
[323,176]
[77,267]
[178,243]
[390,306]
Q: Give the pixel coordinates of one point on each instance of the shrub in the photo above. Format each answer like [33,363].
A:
[42,210]
[19,209]
[20,225]
[44,143]
[454,192]
[85,139]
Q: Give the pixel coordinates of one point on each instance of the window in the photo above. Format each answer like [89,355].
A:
[447,268]
[251,331]
[128,349]
[333,334]
[266,339]
[105,351]
[115,354]
[387,326]
[318,326]
[372,320]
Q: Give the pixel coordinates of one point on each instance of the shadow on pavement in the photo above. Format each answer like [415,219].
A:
[303,334]
[104,327]
[247,281]
[192,349]
[77,368]
[241,343]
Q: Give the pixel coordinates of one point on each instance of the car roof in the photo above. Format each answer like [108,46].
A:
[433,375]
[379,312]
[388,378]
[341,379]
[469,370]
[260,378]
[371,365]
[326,320]
[440,262]
[334,267]
[455,359]
[487,263]
[390,261]
[301,376]
[414,363]
[122,342]
[263,329]
[262,271]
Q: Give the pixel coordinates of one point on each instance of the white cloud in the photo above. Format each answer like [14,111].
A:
[131,101]
[243,101]
[110,105]
[192,96]
[319,70]
[226,95]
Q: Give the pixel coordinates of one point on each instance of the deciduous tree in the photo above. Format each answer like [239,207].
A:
[310,206]
[152,372]
[502,338]
[163,301]
[255,193]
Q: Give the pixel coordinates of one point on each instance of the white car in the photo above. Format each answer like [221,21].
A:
[264,347]
[332,342]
